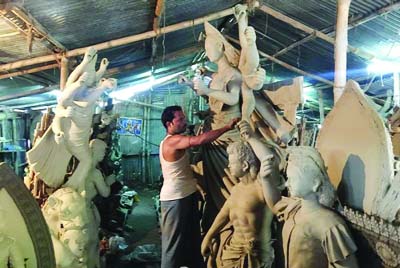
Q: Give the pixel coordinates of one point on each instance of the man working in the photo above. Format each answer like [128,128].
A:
[180,224]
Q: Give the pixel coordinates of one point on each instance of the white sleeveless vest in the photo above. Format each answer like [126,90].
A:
[178,177]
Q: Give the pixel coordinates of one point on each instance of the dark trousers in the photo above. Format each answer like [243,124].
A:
[180,233]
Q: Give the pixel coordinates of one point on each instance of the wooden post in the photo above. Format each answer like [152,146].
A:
[396,89]
[63,72]
[341,44]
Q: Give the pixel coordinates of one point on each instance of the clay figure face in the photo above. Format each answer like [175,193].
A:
[66,209]
[106,118]
[76,240]
[235,165]
[298,183]
[98,153]
[178,124]
[214,49]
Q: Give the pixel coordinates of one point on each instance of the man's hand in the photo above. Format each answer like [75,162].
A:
[200,88]
[233,123]
[267,166]
[245,129]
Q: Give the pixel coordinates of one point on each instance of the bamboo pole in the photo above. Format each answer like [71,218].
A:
[287,66]
[359,52]
[341,43]
[63,72]
[28,93]
[29,71]
[117,42]
[352,24]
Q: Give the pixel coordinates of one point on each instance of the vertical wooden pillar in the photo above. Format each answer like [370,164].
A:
[396,89]
[321,106]
[63,72]
[341,43]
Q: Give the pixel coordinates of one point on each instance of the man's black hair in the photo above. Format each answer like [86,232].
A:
[168,114]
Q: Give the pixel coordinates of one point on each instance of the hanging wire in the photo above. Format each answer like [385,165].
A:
[163,41]
[298,56]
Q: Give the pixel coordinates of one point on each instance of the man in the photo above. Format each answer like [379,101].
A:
[314,236]
[246,209]
[180,223]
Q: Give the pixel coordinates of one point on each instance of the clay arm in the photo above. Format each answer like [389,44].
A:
[269,171]
[179,142]
[94,94]
[271,193]
[102,69]
[220,222]
[103,186]
[230,98]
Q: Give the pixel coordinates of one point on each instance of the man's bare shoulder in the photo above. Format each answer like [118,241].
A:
[172,141]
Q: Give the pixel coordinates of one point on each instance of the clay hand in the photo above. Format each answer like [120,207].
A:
[267,166]
[200,88]
[107,83]
[90,53]
[233,123]
[255,81]
[69,112]
[111,179]
[245,129]
[104,63]
[59,137]
[240,12]
[206,247]
[250,34]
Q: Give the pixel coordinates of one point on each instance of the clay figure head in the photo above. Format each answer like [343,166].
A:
[66,208]
[306,175]
[216,46]
[98,148]
[76,241]
[174,120]
[106,118]
[242,159]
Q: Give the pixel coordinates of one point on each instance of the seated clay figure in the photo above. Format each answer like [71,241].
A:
[246,210]
[314,236]
[9,252]
[95,182]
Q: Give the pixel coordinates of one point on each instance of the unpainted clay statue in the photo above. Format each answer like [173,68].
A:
[249,64]
[313,234]
[9,252]
[71,126]
[69,221]
[224,89]
[246,210]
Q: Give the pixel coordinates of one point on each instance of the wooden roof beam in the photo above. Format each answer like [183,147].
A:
[287,66]
[117,42]
[298,25]
[352,24]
